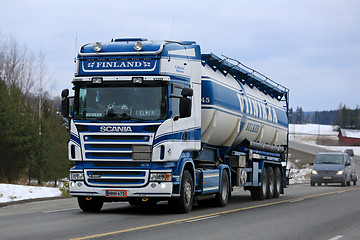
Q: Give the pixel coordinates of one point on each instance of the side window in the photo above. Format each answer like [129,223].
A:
[175,99]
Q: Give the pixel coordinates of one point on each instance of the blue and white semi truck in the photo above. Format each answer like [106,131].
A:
[159,121]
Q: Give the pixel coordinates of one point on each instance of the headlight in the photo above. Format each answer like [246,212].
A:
[76,176]
[341,172]
[97,46]
[138,46]
[160,177]
[314,172]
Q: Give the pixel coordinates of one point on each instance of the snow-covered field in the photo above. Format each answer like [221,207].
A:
[305,133]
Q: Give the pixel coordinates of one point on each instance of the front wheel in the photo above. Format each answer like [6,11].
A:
[184,203]
[222,197]
[90,204]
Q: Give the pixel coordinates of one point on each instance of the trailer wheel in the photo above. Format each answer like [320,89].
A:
[222,197]
[90,204]
[184,203]
[278,182]
[259,193]
[271,182]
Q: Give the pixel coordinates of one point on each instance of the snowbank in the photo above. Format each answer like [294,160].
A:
[11,192]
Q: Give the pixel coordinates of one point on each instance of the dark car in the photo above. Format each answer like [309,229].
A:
[332,168]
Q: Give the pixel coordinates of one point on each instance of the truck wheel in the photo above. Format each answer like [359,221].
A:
[312,183]
[271,182]
[90,204]
[277,183]
[222,197]
[259,193]
[354,182]
[184,203]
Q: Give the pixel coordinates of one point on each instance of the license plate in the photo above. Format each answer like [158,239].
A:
[327,178]
[116,193]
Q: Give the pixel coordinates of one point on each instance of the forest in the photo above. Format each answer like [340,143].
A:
[343,117]
[33,142]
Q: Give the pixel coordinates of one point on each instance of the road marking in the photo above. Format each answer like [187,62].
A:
[336,238]
[209,215]
[201,219]
[60,210]
[297,200]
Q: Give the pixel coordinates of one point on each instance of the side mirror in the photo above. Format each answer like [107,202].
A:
[65,93]
[187,92]
[348,164]
[311,164]
[185,107]
[65,103]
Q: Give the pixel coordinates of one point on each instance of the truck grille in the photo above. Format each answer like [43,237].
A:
[117,159]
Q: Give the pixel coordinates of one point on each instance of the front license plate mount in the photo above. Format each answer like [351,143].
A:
[116,193]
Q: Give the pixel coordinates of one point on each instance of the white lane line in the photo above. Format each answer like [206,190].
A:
[297,200]
[336,238]
[201,219]
[60,210]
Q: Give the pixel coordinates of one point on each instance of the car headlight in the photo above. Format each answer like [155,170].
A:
[341,172]
[76,176]
[160,177]
[314,172]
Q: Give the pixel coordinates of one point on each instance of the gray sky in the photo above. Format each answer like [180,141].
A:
[310,46]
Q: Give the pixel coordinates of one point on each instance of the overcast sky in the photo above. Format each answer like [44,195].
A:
[310,46]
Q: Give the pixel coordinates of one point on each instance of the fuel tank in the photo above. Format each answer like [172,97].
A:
[233,110]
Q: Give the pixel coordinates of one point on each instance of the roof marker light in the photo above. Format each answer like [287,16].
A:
[97,46]
[138,46]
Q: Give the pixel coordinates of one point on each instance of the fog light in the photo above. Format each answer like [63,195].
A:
[97,46]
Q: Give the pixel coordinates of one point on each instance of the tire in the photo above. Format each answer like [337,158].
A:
[348,183]
[271,182]
[278,182]
[184,203]
[90,204]
[319,184]
[312,183]
[354,182]
[259,193]
[222,197]
[343,184]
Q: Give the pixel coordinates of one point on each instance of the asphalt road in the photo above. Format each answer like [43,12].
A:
[304,212]
[327,213]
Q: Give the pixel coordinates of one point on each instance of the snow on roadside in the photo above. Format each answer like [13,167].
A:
[12,192]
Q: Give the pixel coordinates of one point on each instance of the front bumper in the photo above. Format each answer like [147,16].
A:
[327,179]
[153,189]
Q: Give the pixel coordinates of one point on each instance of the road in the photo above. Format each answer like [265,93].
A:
[304,212]
[327,213]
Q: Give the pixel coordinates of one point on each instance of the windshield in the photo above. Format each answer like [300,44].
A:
[329,159]
[120,103]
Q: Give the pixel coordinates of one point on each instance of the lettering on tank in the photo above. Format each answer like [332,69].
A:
[258,109]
